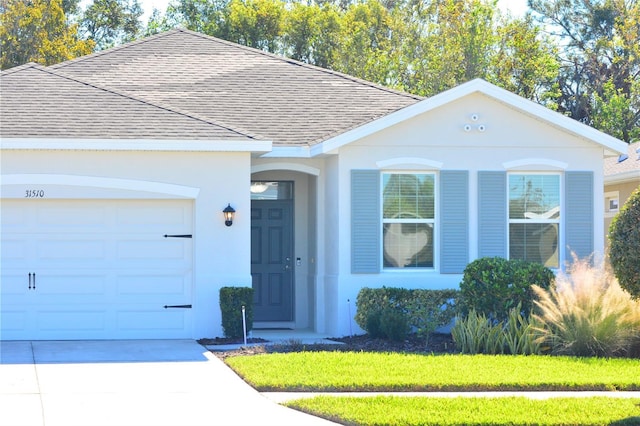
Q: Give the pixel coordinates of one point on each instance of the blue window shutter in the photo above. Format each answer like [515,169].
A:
[365,222]
[578,213]
[454,221]
[492,214]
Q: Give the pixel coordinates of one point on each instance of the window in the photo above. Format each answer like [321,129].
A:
[534,218]
[408,218]
[611,203]
[263,190]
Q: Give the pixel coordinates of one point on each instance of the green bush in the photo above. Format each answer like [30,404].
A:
[493,286]
[425,310]
[394,324]
[586,313]
[232,299]
[624,245]
[478,334]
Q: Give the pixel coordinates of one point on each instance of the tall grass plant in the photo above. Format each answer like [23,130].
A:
[587,313]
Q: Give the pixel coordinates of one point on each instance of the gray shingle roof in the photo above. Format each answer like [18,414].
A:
[287,102]
[38,102]
[623,164]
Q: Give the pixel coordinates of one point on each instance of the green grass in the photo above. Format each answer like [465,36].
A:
[360,371]
[408,411]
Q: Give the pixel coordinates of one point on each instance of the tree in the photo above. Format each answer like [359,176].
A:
[366,46]
[624,245]
[600,58]
[312,33]
[37,31]
[256,23]
[524,61]
[111,22]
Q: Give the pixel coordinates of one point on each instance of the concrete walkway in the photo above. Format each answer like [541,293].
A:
[129,383]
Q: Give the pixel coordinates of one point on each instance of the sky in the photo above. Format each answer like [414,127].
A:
[516,7]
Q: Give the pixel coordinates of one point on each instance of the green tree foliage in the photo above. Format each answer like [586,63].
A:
[37,31]
[256,23]
[624,247]
[111,22]
[600,61]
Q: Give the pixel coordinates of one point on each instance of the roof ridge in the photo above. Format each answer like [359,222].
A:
[127,95]
[298,63]
[22,67]
[114,49]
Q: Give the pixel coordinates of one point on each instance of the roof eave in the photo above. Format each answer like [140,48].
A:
[174,145]
[288,152]
[623,177]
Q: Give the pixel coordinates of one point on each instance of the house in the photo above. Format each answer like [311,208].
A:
[621,178]
[116,168]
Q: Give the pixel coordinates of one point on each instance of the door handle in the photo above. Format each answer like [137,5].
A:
[32,280]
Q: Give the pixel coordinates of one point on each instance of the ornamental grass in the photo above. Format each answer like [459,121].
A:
[587,313]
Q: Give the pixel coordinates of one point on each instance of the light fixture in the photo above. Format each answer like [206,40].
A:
[228,213]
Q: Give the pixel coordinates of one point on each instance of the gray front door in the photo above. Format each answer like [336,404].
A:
[272,259]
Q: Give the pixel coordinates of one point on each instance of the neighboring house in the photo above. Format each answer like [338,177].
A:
[621,178]
[116,168]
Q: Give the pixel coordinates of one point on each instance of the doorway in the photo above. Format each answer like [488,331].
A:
[272,263]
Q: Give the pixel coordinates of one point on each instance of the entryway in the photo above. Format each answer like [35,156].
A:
[272,263]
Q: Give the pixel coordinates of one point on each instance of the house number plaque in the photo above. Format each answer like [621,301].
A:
[34,193]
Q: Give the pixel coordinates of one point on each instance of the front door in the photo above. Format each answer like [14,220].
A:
[272,259]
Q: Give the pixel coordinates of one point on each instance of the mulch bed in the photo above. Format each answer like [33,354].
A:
[438,344]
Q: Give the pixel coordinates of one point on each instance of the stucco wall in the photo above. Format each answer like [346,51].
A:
[436,141]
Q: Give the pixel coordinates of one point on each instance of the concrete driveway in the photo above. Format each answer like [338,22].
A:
[132,383]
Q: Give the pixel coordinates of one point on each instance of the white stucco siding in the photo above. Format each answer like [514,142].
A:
[437,140]
[221,255]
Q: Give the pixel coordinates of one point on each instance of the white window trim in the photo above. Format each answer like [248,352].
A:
[559,221]
[434,222]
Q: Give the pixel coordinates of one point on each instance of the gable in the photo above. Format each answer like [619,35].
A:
[477,111]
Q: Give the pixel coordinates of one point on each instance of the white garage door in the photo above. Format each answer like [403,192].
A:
[96,269]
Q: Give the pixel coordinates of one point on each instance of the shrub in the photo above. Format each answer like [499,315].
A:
[624,247]
[476,333]
[493,286]
[425,310]
[586,313]
[232,299]
[394,324]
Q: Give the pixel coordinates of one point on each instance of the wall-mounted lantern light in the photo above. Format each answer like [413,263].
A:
[228,215]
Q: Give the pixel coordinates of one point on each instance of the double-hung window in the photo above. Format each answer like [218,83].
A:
[408,219]
[534,217]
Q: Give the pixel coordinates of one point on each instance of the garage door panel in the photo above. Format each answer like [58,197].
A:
[14,251]
[160,250]
[69,250]
[143,215]
[103,269]
[152,319]
[83,287]
[72,319]
[73,215]
[166,287]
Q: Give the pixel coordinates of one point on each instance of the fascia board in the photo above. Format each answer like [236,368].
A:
[623,177]
[288,152]
[526,106]
[135,145]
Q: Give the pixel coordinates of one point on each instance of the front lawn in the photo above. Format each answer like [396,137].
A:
[409,411]
[363,371]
